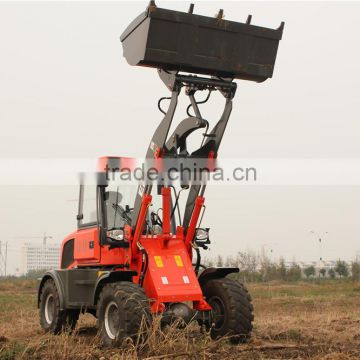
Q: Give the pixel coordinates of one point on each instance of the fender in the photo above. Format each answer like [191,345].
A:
[53,274]
[110,277]
[216,273]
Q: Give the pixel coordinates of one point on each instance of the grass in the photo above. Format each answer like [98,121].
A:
[302,320]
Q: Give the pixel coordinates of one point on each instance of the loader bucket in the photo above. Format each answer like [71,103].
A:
[174,40]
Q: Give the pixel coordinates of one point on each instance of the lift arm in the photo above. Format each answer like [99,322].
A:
[163,146]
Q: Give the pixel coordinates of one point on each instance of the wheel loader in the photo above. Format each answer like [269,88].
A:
[135,253]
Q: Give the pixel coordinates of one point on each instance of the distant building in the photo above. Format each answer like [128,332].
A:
[40,257]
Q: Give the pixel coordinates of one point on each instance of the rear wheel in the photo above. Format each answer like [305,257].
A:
[123,312]
[52,318]
[232,310]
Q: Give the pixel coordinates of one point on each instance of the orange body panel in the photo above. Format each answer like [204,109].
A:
[84,255]
[114,256]
[170,276]
[87,247]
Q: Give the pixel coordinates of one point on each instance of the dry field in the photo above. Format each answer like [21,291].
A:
[292,321]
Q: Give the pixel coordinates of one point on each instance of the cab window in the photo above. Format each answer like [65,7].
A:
[87,205]
[119,202]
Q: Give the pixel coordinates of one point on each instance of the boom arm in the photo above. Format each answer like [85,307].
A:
[174,146]
[155,150]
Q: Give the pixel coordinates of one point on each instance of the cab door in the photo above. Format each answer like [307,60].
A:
[87,243]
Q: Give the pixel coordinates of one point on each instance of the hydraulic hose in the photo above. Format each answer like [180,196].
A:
[144,264]
[198,103]
[198,260]
[159,104]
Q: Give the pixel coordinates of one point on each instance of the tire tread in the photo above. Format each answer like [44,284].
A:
[237,300]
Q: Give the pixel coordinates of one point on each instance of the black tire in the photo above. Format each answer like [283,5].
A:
[232,313]
[123,311]
[52,318]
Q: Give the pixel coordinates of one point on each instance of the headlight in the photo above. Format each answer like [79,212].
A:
[117,235]
[202,234]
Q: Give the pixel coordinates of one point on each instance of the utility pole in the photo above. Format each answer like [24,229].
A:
[5,258]
[0,260]
[45,237]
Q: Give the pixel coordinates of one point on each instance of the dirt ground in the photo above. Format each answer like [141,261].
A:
[292,321]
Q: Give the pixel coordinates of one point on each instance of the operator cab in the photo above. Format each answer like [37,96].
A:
[103,213]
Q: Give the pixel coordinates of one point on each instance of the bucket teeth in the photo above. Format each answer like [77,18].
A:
[220,14]
[152,6]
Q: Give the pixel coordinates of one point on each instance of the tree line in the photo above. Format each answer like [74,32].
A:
[260,268]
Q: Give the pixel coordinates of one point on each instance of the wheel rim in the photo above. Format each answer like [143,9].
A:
[218,311]
[49,308]
[112,320]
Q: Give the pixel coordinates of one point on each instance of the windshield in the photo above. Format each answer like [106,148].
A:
[119,202]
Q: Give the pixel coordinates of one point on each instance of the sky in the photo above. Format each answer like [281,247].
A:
[66,92]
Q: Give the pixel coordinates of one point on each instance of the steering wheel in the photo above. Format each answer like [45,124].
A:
[123,213]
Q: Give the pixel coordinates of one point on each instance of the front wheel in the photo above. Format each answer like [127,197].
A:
[52,318]
[232,310]
[123,311]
